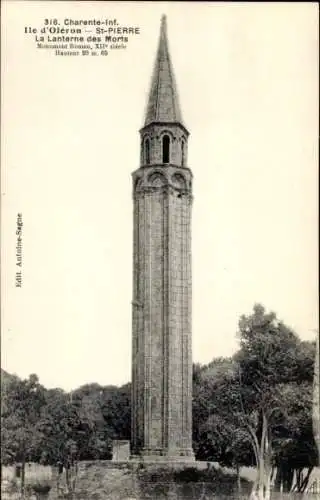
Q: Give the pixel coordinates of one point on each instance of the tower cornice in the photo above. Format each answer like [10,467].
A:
[161,167]
[168,124]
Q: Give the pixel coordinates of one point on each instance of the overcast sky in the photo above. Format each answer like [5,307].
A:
[247,75]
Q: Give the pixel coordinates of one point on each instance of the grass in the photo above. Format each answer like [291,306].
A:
[98,480]
[38,480]
[33,472]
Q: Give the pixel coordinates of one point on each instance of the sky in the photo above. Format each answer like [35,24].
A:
[247,76]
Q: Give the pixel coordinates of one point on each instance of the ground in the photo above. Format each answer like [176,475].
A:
[105,480]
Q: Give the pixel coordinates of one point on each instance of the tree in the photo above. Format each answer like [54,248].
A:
[216,434]
[316,398]
[22,402]
[89,400]
[270,357]
[255,408]
[199,410]
[62,435]
[116,411]
[293,443]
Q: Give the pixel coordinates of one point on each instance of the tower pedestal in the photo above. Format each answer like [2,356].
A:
[164,456]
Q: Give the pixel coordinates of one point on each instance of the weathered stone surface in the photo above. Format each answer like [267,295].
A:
[161,317]
[163,104]
[107,480]
[120,450]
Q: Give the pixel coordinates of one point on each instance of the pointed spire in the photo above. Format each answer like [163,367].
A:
[163,104]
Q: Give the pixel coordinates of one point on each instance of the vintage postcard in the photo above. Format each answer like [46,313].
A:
[159,246]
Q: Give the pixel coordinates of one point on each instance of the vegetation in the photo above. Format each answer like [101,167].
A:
[22,401]
[52,428]
[316,398]
[254,408]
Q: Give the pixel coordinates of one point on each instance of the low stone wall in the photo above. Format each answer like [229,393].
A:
[109,480]
[133,465]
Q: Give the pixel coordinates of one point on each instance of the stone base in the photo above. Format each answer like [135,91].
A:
[120,450]
[124,480]
[164,456]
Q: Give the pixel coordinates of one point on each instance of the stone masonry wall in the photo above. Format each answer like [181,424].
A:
[162,364]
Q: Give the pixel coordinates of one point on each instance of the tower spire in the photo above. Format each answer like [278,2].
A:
[163,103]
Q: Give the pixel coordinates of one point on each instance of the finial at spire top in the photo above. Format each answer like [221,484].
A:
[163,26]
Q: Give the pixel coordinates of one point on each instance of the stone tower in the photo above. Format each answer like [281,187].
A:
[161,330]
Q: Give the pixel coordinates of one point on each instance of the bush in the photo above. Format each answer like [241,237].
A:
[216,480]
[190,475]
[41,487]
[12,486]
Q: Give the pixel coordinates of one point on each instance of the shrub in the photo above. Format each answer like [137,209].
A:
[216,480]
[12,486]
[41,487]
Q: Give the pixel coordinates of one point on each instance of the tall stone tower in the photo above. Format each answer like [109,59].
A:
[161,338]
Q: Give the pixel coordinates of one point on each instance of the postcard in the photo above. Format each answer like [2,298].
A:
[159,245]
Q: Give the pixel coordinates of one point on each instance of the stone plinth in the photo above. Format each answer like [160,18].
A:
[120,450]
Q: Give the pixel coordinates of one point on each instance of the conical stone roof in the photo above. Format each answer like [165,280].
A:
[163,104]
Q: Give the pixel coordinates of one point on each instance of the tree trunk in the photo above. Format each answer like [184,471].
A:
[23,473]
[68,478]
[268,466]
[316,400]
[304,482]
[253,494]
[262,459]
[75,474]
[278,479]
[238,478]
[261,487]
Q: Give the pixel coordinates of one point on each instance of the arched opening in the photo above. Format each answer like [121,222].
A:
[136,183]
[156,179]
[166,149]
[182,153]
[147,151]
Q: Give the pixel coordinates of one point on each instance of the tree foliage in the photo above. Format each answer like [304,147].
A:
[52,426]
[21,405]
[316,398]
[254,408]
